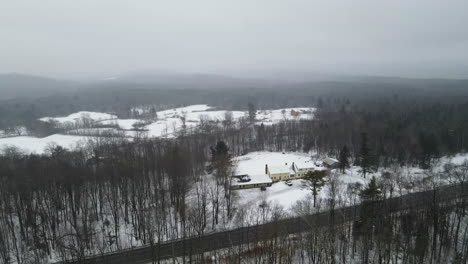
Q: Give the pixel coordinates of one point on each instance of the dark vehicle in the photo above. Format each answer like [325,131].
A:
[244,178]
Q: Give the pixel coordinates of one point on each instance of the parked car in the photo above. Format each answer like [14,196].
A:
[244,178]
[288,183]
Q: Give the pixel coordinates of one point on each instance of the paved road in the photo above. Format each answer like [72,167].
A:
[245,235]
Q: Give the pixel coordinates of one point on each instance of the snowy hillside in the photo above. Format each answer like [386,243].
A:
[275,116]
[38,145]
[13,132]
[165,123]
[94,116]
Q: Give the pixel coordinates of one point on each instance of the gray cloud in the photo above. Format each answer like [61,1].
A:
[75,39]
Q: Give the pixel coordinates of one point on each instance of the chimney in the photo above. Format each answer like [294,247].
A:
[266,168]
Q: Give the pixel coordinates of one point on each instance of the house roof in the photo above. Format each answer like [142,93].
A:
[280,169]
[330,161]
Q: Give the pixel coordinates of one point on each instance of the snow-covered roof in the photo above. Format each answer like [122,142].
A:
[306,168]
[330,161]
[280,169]
[254,179]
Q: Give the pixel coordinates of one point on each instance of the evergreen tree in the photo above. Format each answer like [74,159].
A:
[261,137]
[429,149]
[153,113]
[222,169]
[221,162]
[372,192]
[252,113]
[344,158]
[219,154]
[315,181]
[365,156]
[320,103]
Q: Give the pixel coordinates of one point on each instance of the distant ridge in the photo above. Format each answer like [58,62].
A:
[15,85]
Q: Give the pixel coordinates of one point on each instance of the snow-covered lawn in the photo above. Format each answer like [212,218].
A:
[279,193]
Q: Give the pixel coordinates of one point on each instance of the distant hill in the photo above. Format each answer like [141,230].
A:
[305,82]
[24,98]
[189,81]
[13,86]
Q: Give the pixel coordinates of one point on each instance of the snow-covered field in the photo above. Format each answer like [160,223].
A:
[13,132]
[181,110]
[167,124]
[95,116]
[126,124]
[38,145]
[269,117]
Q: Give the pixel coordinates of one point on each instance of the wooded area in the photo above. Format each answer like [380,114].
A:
[113,194]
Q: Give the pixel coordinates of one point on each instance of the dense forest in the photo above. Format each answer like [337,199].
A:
[112,193]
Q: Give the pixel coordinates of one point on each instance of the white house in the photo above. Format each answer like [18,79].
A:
[288,172]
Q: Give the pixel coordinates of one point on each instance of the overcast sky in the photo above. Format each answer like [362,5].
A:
[87,38]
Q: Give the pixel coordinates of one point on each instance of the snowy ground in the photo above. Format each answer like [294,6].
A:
[279,193]
[122,123]
[39,145]
[268,117]
[168,123]
[95,116]
[287,196]
[13,132]
[254,162]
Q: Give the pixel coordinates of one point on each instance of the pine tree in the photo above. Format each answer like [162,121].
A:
[252,113]
[220,157]
[344,158]
[372,192]
[320,103]
[365,156]
[222,169]
[315,181]
[429,149]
